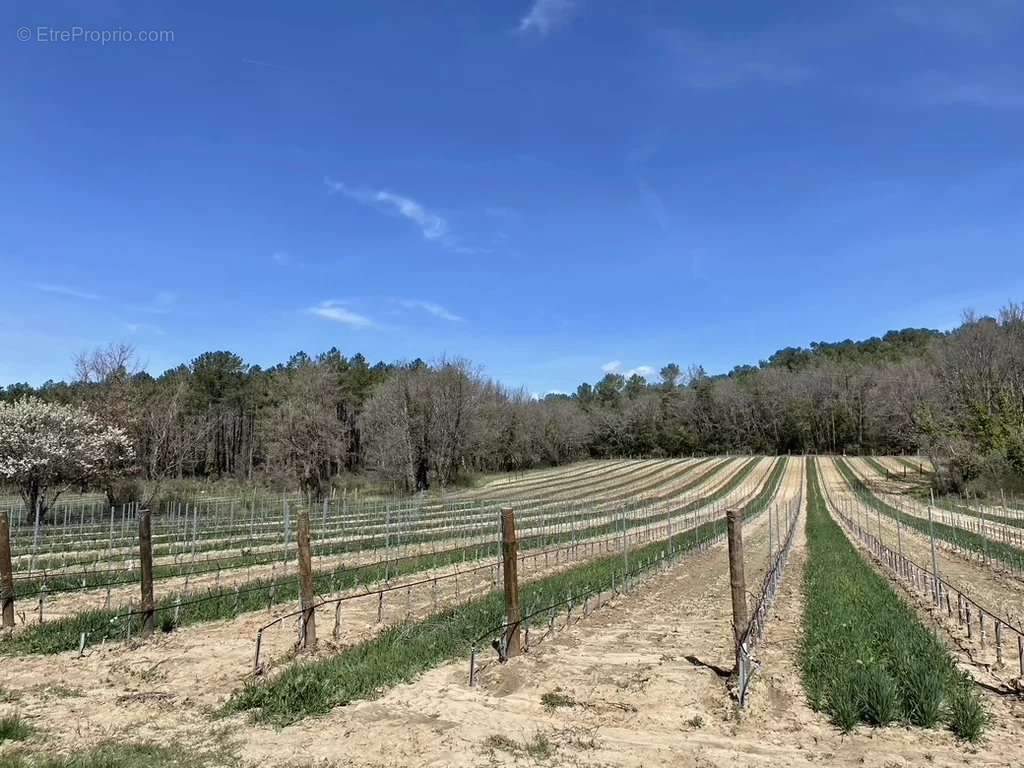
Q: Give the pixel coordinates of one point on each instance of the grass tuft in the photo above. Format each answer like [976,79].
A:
[552,700]
[13,728]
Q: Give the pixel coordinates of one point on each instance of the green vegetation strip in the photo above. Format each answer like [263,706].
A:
[117,754]
[421,530]
[980,515]
[962,538]
[64,634]
[865,656]
[403,651]
[952,504]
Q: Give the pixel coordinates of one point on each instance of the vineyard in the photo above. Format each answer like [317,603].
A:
[765,609]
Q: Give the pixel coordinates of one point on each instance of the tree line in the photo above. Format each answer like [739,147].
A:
[957,397]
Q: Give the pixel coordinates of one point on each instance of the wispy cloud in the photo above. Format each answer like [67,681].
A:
[636,160]
[432,226]
[66,290]
[545,16]
[336,312]
[267,64]
[712,65]
[431,308]
[144,328]
[975,19]
[989,93]
[613,366]
[161,304]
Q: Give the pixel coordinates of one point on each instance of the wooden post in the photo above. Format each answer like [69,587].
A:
[6,571]
[307,634]
[931,536]
[734,524]
[146,568]
[510,559]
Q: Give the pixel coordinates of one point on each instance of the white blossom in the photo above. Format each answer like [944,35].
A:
[54,446]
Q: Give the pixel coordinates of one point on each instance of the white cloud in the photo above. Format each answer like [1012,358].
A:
[136,328]
[434,309]
[547,15]
[333,310]
[65,290]
[615,366]
[432,226]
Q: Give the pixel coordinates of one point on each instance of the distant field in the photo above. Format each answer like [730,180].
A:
[410,586]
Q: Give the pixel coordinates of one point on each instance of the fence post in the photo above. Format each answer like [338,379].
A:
[307,635]
[146,569]
[510,557]
[6,571]
[734,525]
[931,535]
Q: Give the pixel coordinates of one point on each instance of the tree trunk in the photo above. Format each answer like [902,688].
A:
[6,572]
[34,503]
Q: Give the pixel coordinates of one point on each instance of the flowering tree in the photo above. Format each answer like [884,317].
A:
[46,448]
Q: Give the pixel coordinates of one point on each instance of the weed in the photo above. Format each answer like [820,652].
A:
[8,696]
[540,747]
[555,699]
[499,743]
[13,728]
[119,755]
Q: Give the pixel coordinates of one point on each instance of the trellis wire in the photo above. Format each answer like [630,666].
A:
[769,588]
[921,578]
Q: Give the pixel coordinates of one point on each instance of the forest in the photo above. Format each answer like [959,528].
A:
[956,397]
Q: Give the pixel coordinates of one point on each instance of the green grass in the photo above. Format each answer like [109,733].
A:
[865,656]
[119,755]
[13,728]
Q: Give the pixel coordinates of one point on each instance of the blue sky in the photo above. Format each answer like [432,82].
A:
[547,187]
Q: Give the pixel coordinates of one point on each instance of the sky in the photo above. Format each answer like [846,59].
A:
[550,188]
